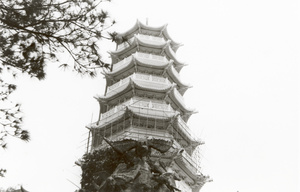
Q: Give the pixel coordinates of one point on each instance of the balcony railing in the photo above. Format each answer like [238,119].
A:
[150,80]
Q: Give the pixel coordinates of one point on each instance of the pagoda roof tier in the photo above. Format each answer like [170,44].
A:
[135,133]
[152,109]
[141,28]
[138,59]
[148,103]
[134,85]
[136,62]
[137,45]
[137,41]
[132,111]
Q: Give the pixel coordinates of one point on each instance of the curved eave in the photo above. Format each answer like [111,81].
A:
[178,64]
[102,106]
[182,90]
[129,64]
[105,98]
[187,111]
[182,86]
[132,85]
[126,65]
[104,122]
[175,45]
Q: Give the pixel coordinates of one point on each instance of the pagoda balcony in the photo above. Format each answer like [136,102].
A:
[147,80]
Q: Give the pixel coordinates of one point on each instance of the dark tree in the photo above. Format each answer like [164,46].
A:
[10,117]
[33,33]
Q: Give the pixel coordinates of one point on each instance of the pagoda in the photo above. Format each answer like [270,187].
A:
[143,104]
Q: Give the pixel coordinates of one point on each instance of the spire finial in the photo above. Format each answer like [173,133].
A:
[147,21]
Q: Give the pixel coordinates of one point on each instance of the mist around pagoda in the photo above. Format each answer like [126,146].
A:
[141,141]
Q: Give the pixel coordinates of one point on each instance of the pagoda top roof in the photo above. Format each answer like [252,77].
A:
[160,31]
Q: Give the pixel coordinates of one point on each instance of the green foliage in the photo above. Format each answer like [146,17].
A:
[97,166]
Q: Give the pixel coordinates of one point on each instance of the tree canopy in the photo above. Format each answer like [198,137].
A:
[33,33]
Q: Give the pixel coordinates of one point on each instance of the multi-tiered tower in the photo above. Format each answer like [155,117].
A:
[144,99]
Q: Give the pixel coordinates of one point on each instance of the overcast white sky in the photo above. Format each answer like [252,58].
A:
[243,61]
